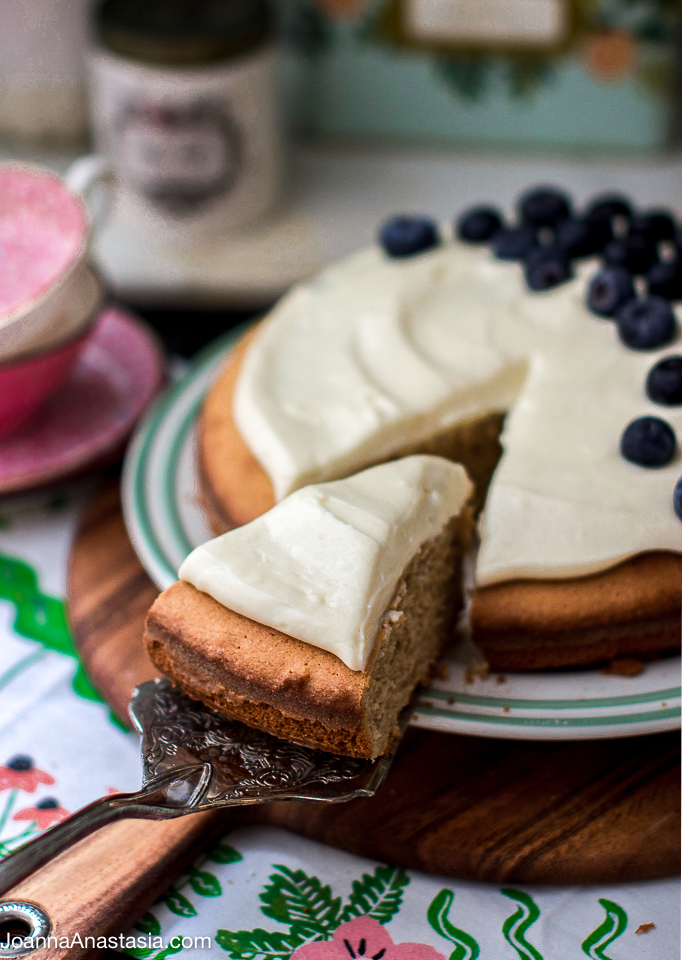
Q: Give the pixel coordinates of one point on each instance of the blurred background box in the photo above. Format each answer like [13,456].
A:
[561,73]
[42,87]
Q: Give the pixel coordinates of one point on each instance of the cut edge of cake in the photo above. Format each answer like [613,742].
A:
[292,689]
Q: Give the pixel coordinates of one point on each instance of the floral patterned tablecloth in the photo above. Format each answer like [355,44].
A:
[259,893]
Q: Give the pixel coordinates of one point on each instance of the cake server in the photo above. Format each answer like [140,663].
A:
[196,760]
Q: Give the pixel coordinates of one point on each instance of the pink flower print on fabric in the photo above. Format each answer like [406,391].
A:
[44,814]
[364,939]
[20,774]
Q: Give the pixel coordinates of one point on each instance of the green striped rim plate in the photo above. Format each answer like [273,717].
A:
[165,521]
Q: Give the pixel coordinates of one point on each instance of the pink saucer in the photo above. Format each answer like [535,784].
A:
[111,385]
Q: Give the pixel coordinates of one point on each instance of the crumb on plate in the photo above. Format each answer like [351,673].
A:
[479,669]
[624,667]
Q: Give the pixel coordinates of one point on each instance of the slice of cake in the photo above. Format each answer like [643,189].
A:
[317,620]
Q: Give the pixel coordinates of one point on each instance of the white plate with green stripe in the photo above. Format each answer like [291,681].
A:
[165,521]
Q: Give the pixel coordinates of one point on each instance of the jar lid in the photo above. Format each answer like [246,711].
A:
[181,32]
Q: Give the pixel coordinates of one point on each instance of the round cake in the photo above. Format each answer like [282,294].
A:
[554,379]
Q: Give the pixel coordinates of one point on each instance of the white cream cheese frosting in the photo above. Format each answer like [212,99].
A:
[378,353]
[323,564]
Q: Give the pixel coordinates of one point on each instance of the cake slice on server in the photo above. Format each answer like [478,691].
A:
[317,620]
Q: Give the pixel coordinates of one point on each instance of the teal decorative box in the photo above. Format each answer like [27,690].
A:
[564,73]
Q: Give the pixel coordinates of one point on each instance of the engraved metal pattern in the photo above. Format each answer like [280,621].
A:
[248,765]
[196,759]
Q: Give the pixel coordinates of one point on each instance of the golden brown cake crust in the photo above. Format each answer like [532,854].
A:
[521,624]
[634,607]
[256,673]
[262,663]
[235,487]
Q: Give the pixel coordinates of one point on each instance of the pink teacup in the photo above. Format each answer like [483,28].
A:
[49,293]
[27,382]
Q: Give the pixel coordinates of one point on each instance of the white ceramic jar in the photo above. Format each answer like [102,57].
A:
[186,111]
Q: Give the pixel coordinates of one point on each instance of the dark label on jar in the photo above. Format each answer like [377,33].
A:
[179,157]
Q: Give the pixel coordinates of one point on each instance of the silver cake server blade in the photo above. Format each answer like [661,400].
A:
[196,760]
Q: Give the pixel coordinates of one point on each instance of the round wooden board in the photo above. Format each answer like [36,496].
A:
[476,808]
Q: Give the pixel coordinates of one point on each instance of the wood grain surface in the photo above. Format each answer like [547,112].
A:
[100,886]
[471,807]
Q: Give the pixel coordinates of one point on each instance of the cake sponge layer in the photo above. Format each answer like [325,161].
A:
[283,685]
[322,565]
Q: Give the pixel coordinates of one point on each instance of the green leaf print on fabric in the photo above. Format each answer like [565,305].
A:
[466,947]
[149,924]
[255,945]
[40,618]
[175,946]
[204,883]
[224,853]
[312,912]
[515,926]
[612,927]
[294,898]
[378,895]
[178,903]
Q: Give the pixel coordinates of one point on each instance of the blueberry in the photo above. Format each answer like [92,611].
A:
[655,225]
[635,253]
[49,803]
[582,238]
[609,290]
[664,383]
[648,441]
[609,205]
[403,236]
[546,267]
[665,279]
[647,323]
[544,206]
[514,243]
[677,498]
[478,224]
[20,763]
